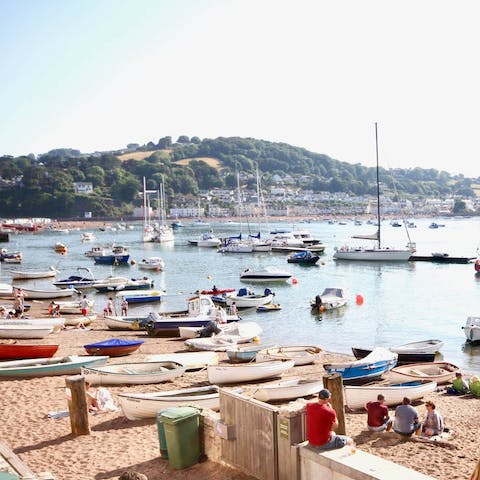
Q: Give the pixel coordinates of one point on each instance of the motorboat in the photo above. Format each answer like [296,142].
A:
[356,396]
[119,254]
[10,257]
[200,311]
[303,258]
[113,284]
[267,274]
[329,299]
[142,296]
[207,240]
[97,250]
[246,298]
[135,373]
[372,366]
[33,274]
[440,372]
[235,244]
[152,263]
[79,281]
[472,329]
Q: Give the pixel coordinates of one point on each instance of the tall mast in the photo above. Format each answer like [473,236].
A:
[378,187]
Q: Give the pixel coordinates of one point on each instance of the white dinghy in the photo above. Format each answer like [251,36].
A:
[288,389]
[300,354]
[247,372]
[140,373]
[136,406]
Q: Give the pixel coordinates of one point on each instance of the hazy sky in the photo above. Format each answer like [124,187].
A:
[98,74]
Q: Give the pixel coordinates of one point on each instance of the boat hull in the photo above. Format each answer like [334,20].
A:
[114,347]
[357,396]
[20,352]
[141,373]
[378,255]
[440,372]
[287,390]
[222,374]
[403,358]
[140,406]
[48,366]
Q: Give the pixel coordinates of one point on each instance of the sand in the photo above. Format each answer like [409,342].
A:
[117,444]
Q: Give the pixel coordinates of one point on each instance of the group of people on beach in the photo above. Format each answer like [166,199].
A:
[18,306]
[321,421]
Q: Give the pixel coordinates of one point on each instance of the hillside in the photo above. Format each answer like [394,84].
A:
[38,186]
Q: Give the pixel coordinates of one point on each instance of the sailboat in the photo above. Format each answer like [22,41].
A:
[163,232]
[148,233]
[258,244]
[378,252]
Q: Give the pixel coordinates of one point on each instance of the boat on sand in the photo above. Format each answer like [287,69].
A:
[247,372]
[356,396]
[137,406]
[139,373]
[440,372]
[288,389]
[300,354]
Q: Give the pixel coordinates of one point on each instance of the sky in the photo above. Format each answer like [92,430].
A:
[99,74]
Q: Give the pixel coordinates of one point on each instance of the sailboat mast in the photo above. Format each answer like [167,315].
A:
[378,188]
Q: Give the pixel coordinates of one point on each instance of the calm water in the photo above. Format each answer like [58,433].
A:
[403,302]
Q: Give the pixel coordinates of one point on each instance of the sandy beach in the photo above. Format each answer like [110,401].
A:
[117,444]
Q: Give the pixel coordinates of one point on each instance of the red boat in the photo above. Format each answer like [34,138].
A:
[16,351]
[217,291]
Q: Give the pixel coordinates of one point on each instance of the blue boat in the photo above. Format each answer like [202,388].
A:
[372,366]
[77,281]
[114,347]
[142,296]
[118,256]
[304,257]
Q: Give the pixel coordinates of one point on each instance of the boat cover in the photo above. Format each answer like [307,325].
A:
[114,342]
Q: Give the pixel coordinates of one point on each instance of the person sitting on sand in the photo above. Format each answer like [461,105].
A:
[433,423]
[406,419]
[378,418]
[3,312]
[321,420]
[459,385]
[92,402]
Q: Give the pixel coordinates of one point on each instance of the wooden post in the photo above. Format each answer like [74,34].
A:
[77,405]
[334,383]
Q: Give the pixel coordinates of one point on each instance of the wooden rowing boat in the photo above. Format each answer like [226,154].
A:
[139,373]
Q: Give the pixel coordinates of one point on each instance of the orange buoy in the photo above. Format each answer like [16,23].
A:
[359,299]
[294,281]
[321,308]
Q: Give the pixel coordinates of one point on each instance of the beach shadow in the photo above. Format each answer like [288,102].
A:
[120,423]
[158,465]
[380,439]
[45,443]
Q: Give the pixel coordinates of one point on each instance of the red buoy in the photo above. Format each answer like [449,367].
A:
[359,299]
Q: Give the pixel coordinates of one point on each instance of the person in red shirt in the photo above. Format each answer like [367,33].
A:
[378,418]
[321,420]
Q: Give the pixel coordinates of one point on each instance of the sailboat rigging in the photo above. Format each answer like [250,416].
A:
[377,253]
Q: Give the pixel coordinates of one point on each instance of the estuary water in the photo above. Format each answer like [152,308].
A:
[402,302]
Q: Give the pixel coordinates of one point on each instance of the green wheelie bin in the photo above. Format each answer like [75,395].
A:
[161,435]
[181,427]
